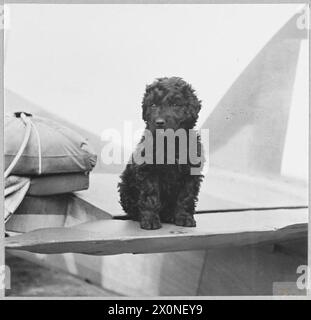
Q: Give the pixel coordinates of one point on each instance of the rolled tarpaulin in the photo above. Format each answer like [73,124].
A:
[51,147]
[52,184]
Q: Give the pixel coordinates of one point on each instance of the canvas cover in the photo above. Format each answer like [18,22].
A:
[58,184]
[62,149]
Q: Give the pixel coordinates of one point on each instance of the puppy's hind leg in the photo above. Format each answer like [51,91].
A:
[149,204]
[186,202]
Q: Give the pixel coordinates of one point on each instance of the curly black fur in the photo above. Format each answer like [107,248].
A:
[151,193]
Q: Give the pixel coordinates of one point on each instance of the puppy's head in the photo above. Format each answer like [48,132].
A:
[170,103]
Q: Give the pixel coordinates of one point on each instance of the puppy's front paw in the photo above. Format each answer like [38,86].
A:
[150,223]
[185,220]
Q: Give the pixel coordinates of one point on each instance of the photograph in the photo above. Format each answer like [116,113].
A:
[155,150]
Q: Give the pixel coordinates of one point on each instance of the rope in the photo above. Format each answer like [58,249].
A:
[29,124]
[22,147]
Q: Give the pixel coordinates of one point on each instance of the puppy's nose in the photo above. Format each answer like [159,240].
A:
[160,122]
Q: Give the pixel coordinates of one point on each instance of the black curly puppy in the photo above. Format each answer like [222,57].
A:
[167,192]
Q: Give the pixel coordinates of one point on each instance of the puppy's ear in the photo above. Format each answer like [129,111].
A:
[186,90]
[193,102]
[189,94]
[144,112]
[144,104]
[195,108]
